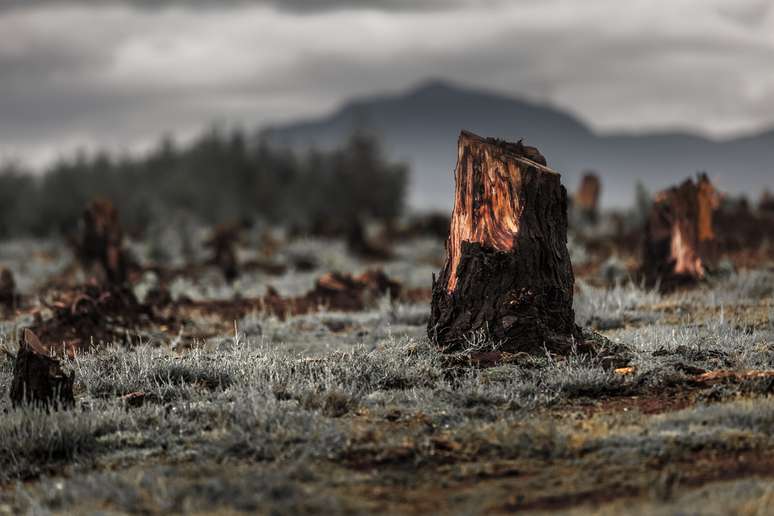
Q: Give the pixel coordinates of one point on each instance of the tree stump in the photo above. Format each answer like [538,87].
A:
[9,298]
[679,236]
[223,244]
[101,243]
[38,377]
[587,198]
[507,273]
[766,202]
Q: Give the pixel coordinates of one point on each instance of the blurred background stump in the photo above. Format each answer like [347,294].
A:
[766,202]
[679,236]
[100,243]
[223,245]
[9,298]
[586,201]
[507,275]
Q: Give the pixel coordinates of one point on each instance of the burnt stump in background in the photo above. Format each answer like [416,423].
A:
[586,201]
[680,239]
[100,243]
[9,298]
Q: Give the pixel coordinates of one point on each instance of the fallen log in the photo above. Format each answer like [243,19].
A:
[507,273]
[679,235]
[38,378]
[346,292]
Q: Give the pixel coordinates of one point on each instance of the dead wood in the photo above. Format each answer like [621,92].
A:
[100,243]
[507,273]
[680,239]
[9,298]
[724,375]
[38,378]
[223,244]
[91,315]
[586,202]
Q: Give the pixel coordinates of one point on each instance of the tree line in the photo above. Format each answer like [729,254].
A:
[221,176]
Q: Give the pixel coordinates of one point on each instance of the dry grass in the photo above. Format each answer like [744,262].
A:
[339,412]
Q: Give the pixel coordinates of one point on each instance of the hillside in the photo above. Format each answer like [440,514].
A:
[421,127]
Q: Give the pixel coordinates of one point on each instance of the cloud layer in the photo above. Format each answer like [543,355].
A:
[122,74]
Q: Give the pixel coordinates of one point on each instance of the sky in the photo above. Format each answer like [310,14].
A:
[119,74]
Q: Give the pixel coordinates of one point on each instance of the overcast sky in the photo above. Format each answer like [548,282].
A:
[120,75]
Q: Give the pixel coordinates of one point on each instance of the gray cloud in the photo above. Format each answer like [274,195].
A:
[296,6]
[118,75]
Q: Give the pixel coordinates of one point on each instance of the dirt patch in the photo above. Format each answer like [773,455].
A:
[654,403]
[91,315]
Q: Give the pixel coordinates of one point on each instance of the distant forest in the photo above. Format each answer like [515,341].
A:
[220,177]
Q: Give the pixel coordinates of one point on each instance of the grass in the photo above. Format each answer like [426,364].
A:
[255,401]
[323,412]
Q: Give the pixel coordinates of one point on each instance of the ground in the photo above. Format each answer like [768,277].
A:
[357,413]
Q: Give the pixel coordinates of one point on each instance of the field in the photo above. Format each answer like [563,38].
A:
[237,409]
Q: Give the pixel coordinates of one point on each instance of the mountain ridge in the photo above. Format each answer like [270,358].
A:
[421,126]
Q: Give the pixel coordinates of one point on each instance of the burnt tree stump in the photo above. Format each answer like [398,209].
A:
[359,245]
[38,378]
[101,243]
[586,202]
[507,272]
[679,235]
[223,244]
[766,202]
[9,298]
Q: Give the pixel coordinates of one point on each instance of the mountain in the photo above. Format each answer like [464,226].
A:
[422,125]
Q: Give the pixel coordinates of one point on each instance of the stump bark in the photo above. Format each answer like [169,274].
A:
[680,237]
[38,377]
[507,273]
